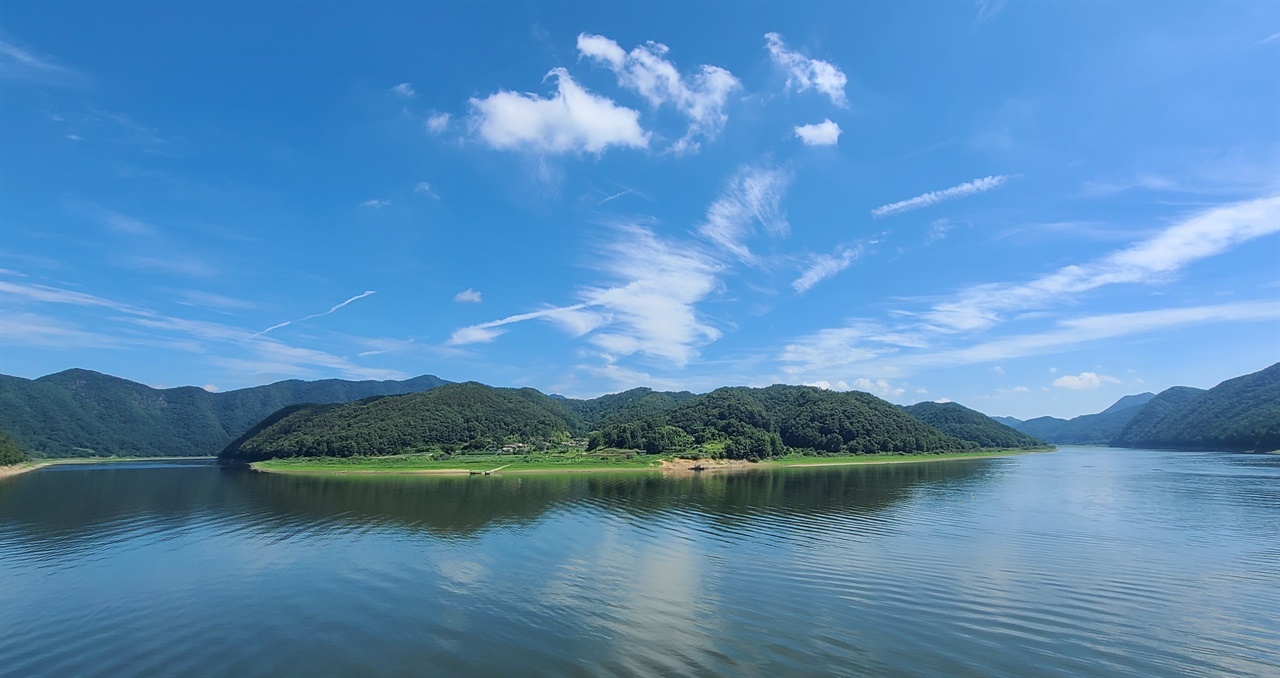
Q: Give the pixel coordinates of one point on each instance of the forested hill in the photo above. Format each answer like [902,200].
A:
[449,418]
[754,423]
[617,408]
[957,420]
[85,413]
[1238,414]
[742,423]
[1165,405]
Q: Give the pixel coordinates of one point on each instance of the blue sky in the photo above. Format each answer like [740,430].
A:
[1028,208]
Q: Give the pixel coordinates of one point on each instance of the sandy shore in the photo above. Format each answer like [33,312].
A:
[15,469]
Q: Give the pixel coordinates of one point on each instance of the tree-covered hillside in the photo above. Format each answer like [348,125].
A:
[961,422]
[753,423]
[85,413]
[617,408]
[1147,420]
[445,419]
[1238,414]
[9,452]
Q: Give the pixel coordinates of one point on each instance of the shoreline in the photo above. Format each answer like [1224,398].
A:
[678,466]
[37,464]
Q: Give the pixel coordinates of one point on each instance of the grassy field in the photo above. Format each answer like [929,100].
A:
[609,460]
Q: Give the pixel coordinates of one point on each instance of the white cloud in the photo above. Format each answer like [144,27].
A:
[468,295]
[825,133]
[425,189]
[989,8]
[404,90]
[934,197]
[333,309]
[210,388]
[753,196]
[997,369]
[824,266]
[22,64]
[1206,234]
[128,225]
[214,301]
[701,97]
[1271,38]
[651,300]
[375,203]
[572,121]
[804,73]
[937,231]
[1084,381]
[647,304]
[437,123]
[880,387]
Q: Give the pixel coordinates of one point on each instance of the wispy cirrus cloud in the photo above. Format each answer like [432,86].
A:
[404,90]
[573,120]
[824,266]
[702,96]
[804,73]
[1206,234]
[20,63]
[753,196]
[934,197]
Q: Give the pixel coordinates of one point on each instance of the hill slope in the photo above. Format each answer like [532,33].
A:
[9,452]
[754,423]
[1086,429]
[85,413]
[961,422]
[447,418]
[1238,414]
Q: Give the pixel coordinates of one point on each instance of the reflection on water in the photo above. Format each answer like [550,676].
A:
[1087,561]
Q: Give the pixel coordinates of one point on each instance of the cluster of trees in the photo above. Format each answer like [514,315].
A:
[10,453]
[79,413]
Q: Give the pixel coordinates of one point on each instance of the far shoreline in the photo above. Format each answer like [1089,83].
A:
[667,466]
[37,464]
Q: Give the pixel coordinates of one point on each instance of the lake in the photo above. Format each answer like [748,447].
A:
[1087,561]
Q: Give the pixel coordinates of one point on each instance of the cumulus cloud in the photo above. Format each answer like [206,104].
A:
[375,203]
[468,295]
[437,123]
[753,196]
[572,121]
[824,266]
[1084,381]
[934,197]
[804,73]
[404,90]
[881,387]
[825,133]
[701,96]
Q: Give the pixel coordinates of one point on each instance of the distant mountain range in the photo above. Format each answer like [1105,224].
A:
[1238,414]
[79,413]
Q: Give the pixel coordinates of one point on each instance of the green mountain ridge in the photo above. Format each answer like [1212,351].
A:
[85,413]
[733,422]
[1239,414]
[957,420]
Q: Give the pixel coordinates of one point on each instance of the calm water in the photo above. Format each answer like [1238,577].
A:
[1083,562]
